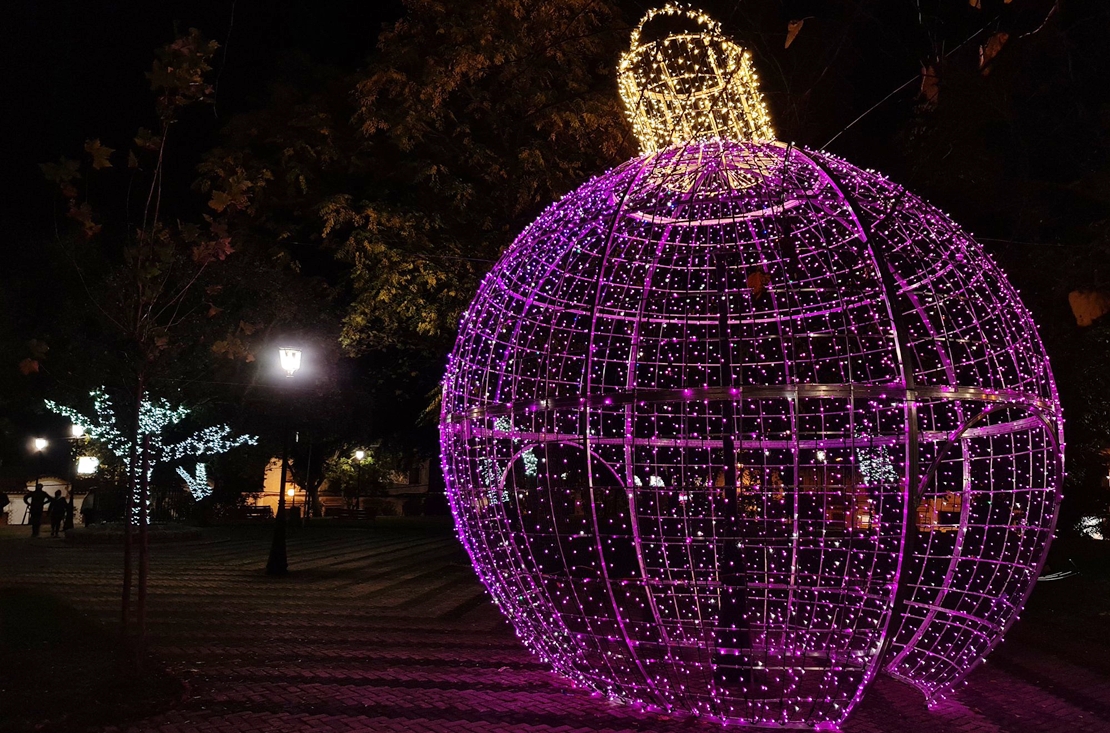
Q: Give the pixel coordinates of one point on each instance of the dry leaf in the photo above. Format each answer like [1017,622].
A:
[1087,305]
[99,154]
[930,87]
[792,29]
[990,49]
[758,281]
[38,348]
[977,4]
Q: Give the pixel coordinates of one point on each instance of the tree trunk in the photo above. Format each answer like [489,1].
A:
[128,505]
[278,563]
[144,543]
[309,494]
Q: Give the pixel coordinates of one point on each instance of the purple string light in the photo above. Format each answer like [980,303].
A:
[735,426]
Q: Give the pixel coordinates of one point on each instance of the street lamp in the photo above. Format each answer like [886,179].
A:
[86,466]
[290,360]
[36,516]
[278,564]
[359,455]
[40,446]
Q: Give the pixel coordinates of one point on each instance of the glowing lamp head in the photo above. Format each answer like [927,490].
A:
[290,360]
[41,443]
[87,465]
[682,80]
[290,492]
[359,455]
[77,431]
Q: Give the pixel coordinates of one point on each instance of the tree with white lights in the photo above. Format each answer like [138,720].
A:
[155,417]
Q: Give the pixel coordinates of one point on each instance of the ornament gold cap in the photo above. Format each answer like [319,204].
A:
[694,83]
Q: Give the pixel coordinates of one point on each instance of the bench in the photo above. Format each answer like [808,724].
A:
[341,513]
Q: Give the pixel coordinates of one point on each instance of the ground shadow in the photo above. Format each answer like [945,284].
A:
[63,672]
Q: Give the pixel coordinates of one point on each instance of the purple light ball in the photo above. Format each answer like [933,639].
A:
[734,427]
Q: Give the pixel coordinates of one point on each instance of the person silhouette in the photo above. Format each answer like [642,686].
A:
[36,500]
[58,508]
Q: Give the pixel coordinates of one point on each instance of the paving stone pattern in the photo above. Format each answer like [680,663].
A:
[386,628]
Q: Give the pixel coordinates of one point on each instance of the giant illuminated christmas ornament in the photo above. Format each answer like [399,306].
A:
[736,426]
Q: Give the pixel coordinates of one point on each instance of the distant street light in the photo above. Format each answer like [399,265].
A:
[278,564]
[359,455]
[87,465]
[40,446]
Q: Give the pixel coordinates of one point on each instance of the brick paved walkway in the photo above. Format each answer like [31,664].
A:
[387,629]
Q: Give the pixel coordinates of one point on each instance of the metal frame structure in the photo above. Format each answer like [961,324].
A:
[737,425]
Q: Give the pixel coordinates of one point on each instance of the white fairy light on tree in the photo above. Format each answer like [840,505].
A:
[155,417]
[875,465]
[198,484]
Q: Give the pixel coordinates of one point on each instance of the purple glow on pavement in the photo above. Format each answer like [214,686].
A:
[735,426]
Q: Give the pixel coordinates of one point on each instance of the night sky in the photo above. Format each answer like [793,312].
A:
[74,69]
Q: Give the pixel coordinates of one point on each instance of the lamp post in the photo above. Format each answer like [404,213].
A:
[86,466]
[40,446]
[359,455]
[76,432]
[278,564]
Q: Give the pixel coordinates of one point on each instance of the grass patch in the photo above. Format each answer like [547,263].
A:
[64,673]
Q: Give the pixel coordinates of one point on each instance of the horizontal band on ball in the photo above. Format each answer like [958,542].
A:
[893,392]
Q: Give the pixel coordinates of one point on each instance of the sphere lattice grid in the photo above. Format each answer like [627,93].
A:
[735,426]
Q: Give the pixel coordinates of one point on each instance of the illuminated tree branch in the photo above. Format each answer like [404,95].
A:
[155,417]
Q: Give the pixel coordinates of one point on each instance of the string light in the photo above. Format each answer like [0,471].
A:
[692,85]
[198,484]
[737,425]
[155,417]
[1090,526]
